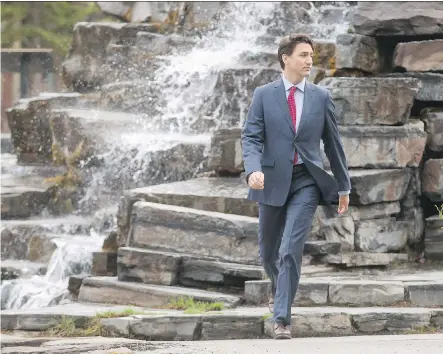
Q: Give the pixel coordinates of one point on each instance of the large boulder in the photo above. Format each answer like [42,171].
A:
[354,51]
[398,18]
[420,56]
[369,101]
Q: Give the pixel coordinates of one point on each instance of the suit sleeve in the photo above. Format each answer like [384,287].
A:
[333,147]
[252,136]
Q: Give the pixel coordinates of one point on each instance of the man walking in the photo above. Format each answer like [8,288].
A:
[281,153]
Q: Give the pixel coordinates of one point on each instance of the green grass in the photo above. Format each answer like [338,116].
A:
[190,306]
[67,328]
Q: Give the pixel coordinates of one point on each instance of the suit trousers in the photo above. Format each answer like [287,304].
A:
[282,234]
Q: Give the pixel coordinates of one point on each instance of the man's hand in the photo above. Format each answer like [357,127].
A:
[256,180]
[343,204]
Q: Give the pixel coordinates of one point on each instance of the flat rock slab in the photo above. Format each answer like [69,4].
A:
[167,268]
[431,85]
[113,291]
[24,196]
[398,18]
[363,259]
[432,180]
[420,56]
[228,195]
[253,322]
[344,292]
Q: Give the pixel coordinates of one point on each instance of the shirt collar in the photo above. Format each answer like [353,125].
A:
[300,86]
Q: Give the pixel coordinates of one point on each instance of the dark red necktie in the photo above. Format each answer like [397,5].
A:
[293,111]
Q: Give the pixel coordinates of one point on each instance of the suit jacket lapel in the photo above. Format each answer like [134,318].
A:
[308,100]
[280,96]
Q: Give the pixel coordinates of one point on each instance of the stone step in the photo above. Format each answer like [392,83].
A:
[355,293]
[228,195]
[168,268]
[240,323]
[24,196]
[226,237]
[364,259]
[111,290]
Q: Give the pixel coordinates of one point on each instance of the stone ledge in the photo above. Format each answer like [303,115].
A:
[241,323]
[354,293]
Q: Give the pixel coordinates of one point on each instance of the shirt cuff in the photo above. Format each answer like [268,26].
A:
[344,192]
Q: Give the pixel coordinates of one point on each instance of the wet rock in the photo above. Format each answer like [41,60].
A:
[359,52]
[22,197]
[381,235]
[6,143]
[420,56]
[372,101]
[104,263]
[226,152]
[84,69]
[398,18]
[433,119]
[432,178]
[30,125]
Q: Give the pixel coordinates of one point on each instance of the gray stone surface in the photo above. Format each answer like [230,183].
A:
[29,123]
[426,293]
[110,290]
[227,237]
[381,235]
[398,18]
[362,259]
[432,179]
[354,51]
[167,268]
[431,85]
[361,293]
[148,266]
[383,147]
[369,101]
[434,238]
[6,143]
[24,196]
[238,326]
[226,152]
[433,119]
[381,344]
[420,56]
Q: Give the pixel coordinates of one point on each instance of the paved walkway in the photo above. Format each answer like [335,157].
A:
[408,344]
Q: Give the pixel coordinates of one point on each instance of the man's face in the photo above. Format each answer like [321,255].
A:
[300,61]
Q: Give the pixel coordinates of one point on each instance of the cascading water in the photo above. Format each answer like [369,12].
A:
[185,86]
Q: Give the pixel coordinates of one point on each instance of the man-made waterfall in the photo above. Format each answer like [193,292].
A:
[184,109]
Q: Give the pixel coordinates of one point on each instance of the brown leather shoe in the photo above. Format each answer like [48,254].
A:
[282,332]
[271,304]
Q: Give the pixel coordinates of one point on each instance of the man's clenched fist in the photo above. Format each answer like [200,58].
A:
[256,180]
